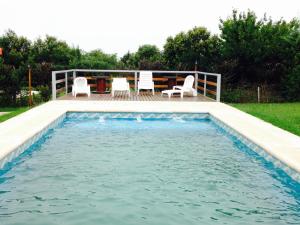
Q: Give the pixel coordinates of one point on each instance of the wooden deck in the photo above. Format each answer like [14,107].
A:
[142,97]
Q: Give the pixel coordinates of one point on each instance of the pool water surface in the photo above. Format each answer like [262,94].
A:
[144,171]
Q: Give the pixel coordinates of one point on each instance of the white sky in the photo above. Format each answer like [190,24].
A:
[116,26]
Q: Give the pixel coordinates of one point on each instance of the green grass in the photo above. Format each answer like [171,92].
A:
[12,112]
[283,115]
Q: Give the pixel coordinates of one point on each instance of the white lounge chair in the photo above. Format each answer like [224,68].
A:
[120,84]
[186,88]
[146,81]
[80,86]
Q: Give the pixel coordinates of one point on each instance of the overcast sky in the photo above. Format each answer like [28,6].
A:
[118,26]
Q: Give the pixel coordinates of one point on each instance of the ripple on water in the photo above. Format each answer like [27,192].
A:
[138,171]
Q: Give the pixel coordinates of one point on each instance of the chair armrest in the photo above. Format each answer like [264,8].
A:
[177,87]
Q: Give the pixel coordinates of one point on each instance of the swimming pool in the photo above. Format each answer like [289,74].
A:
[144,169]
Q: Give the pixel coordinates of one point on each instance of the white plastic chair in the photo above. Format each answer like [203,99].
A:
[80,86]
[146,81]
[120,84]
[186,88]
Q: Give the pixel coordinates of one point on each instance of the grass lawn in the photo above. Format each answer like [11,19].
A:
[11,112]
[283,115]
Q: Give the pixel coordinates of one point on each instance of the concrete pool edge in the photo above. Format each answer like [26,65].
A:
[8,156]
[278,163]
[279,144]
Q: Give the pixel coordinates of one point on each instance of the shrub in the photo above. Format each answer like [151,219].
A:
[248,93]
[37,99]
[291,87]
[44,92]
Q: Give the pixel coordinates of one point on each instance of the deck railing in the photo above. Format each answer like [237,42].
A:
[208,84]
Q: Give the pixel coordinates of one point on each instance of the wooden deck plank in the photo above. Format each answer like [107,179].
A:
[144,96]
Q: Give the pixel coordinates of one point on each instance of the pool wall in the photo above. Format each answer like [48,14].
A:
[133,115]
[256,148]
[24,146]
[148,115]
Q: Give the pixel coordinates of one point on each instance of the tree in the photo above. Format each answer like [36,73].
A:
[258,51]
[50,54]
[291,85]
[128,61]
[147,57]
[182,51]
[53,51]
[13,65]
[96,60]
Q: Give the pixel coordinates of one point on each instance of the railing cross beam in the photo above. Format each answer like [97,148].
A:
[217,93]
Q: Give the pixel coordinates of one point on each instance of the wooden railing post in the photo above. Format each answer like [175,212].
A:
[53,85]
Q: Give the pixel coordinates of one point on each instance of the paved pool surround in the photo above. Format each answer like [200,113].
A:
[273,143]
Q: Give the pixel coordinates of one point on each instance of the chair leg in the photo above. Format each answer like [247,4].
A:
[138,92]
[153,91]
[113,93]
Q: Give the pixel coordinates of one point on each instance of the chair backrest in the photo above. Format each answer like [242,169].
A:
[188,82]
[146,77]
[120,83]
[80,82]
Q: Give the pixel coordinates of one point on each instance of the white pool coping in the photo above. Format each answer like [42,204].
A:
[279,143]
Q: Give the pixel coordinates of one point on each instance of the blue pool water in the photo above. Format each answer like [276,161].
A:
[118,171]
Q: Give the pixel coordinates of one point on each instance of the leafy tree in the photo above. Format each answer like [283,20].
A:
[96,60]
[128,61]
[291,85]
[183,50]
[257,51]
[41,73]
[148,52]
[146,57]
[149,57]
[13,64]
[53,51]
[50,54]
